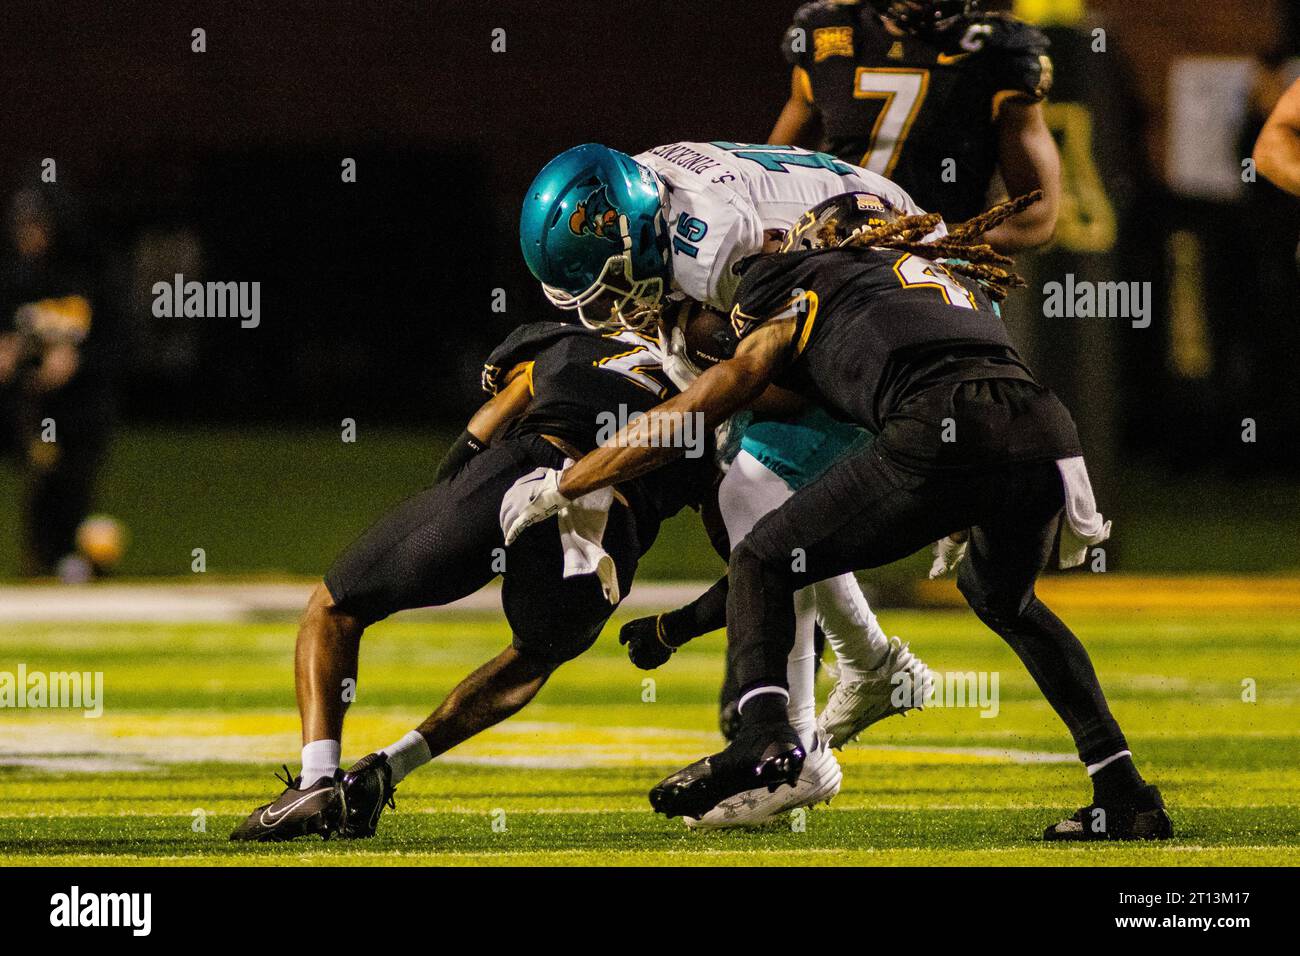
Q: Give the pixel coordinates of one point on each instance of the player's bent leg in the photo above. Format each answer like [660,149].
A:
[313,802]
[495,691]
[862,512]
[554,619]
[819,780]
[431,548]
[748,491]
[325,657]
[1006,555]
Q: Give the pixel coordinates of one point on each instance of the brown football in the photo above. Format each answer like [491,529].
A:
[709,339]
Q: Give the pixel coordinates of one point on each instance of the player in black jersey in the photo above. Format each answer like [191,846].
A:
[932,94]
[557,389]
[903,339]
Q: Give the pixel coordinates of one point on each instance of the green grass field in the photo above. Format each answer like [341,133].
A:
[197,717]
[287,500]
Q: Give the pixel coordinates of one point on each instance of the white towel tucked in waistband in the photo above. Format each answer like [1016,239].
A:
[1083,525]
[582,529]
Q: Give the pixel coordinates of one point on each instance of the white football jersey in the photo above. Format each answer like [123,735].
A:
[722,197]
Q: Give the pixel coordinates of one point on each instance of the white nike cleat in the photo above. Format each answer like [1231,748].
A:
[855,705]
[818,782]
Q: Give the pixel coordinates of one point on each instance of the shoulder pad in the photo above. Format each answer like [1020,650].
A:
[1019,36]
[523,345]
[769,289]
[798,43]
[1013,54]
[1009,35]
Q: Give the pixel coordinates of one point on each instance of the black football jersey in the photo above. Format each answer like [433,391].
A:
[585,386]
[921,112]
[873,326]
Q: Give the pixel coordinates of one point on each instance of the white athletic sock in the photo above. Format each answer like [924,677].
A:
[408,753]
[800,673]
[320,758]
[850,627]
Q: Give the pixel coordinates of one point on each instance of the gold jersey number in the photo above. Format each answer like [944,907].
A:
[901,92]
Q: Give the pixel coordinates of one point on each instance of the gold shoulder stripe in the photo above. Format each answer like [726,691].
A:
[811,298]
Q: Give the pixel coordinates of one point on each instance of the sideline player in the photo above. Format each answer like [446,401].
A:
[902,338]
[935,94]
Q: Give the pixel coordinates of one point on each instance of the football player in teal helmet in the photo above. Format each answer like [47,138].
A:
[593,233]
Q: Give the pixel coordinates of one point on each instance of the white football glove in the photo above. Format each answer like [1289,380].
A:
[948,553]
[533,498]
[679,368]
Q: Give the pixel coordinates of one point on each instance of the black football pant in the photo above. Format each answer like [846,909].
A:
[868,510]
[445,543]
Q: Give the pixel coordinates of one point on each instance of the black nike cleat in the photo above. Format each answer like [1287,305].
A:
[367,789]
[765,755]
[1143,817]
[299,811]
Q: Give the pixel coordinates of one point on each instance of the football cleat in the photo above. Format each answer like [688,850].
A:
[367,789]
[298,811]
[855,705]
[1143,817]
[764,755]
[818,782]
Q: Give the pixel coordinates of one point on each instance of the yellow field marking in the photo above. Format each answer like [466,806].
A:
[1117,592]
[133,741]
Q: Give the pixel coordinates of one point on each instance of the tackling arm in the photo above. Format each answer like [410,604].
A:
[1277,151]
[1028,159]
[488,422]
[652,440]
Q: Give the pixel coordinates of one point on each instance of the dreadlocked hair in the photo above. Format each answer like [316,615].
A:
[961,249]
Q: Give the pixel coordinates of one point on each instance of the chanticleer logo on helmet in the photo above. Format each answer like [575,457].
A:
[596,215]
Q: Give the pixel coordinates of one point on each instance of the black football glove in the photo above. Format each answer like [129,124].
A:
[644,639]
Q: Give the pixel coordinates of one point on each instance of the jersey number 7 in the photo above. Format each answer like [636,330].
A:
[901,92]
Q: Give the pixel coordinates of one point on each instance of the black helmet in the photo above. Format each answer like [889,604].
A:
[925,16]
[832,221]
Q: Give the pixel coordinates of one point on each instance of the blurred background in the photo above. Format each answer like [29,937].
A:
[380,298]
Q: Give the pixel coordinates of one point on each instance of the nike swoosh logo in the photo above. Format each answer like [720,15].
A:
[948,59]
[277,814]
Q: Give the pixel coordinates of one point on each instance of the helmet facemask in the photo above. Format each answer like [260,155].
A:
[617,299]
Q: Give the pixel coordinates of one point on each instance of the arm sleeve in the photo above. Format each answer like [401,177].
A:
[458,455]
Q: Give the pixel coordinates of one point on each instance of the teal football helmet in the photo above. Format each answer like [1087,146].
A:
[593,233]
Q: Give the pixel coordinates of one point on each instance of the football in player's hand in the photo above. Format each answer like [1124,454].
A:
[709,338]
